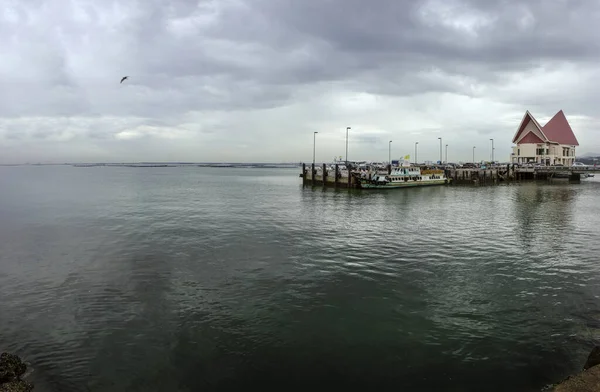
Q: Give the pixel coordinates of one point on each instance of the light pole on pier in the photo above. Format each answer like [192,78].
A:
[347,129]
[390,153]
[492,150]
[416,160]
[473,154]
[314,145]
[440,150]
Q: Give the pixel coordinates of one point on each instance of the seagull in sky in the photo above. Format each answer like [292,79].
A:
[124,77]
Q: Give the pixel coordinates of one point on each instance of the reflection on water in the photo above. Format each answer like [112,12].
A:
[185,279]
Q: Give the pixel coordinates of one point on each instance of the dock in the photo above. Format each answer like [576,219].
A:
[320,176]
[325,176]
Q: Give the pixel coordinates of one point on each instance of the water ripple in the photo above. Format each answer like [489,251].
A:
[219,278]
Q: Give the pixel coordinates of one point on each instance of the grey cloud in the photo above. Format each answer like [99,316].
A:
[65,59]
[292,42]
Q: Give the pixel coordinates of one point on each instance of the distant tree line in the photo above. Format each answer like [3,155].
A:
[589,160]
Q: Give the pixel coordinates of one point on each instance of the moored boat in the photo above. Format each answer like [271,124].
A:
[404,177]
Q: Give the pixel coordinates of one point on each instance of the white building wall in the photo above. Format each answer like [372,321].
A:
[523,153]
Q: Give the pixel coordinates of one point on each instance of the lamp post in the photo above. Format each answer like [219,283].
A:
[314,145]
[347,129]
[416,161]
[440,149]
[473,154]
[390,153]
[492,150]
[446,153]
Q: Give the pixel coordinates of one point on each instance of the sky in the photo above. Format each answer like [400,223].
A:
[252,80]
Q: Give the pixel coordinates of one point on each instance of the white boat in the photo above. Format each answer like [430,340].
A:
[405,177]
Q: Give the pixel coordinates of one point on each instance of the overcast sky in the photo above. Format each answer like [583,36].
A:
[251,80]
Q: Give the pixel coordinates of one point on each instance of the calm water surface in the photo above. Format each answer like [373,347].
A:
[198,279]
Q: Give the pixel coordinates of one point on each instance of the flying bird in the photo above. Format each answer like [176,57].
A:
[124,77]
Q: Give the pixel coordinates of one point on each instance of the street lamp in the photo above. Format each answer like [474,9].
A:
[440,149]
[446,153]
[390,153]
[416,161]
[473,154]
[314,145]
[492,150]
[347,129]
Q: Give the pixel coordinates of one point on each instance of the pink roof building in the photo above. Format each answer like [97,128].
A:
[553,143]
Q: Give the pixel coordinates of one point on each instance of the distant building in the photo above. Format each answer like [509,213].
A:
[554,143]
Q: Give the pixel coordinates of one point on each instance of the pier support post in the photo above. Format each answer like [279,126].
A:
[303,173]
[324,175]
[312,175]
[337,175]
[574,177]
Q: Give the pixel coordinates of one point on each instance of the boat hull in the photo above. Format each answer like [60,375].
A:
[396,185]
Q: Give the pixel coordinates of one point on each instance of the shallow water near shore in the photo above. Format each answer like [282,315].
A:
[185,279]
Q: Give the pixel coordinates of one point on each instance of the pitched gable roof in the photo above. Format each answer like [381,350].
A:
[530,138]
[527,118]
[559,131]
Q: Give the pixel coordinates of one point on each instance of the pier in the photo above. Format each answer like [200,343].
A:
[333,176]
[322,176]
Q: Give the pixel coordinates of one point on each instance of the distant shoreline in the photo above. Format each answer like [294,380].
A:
[167,164]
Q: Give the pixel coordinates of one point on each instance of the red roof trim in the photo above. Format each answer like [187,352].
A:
[531,138]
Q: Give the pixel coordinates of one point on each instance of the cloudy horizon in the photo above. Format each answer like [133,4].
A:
[251,80]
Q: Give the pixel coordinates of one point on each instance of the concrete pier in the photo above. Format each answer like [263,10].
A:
[337,178]
[479,176]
